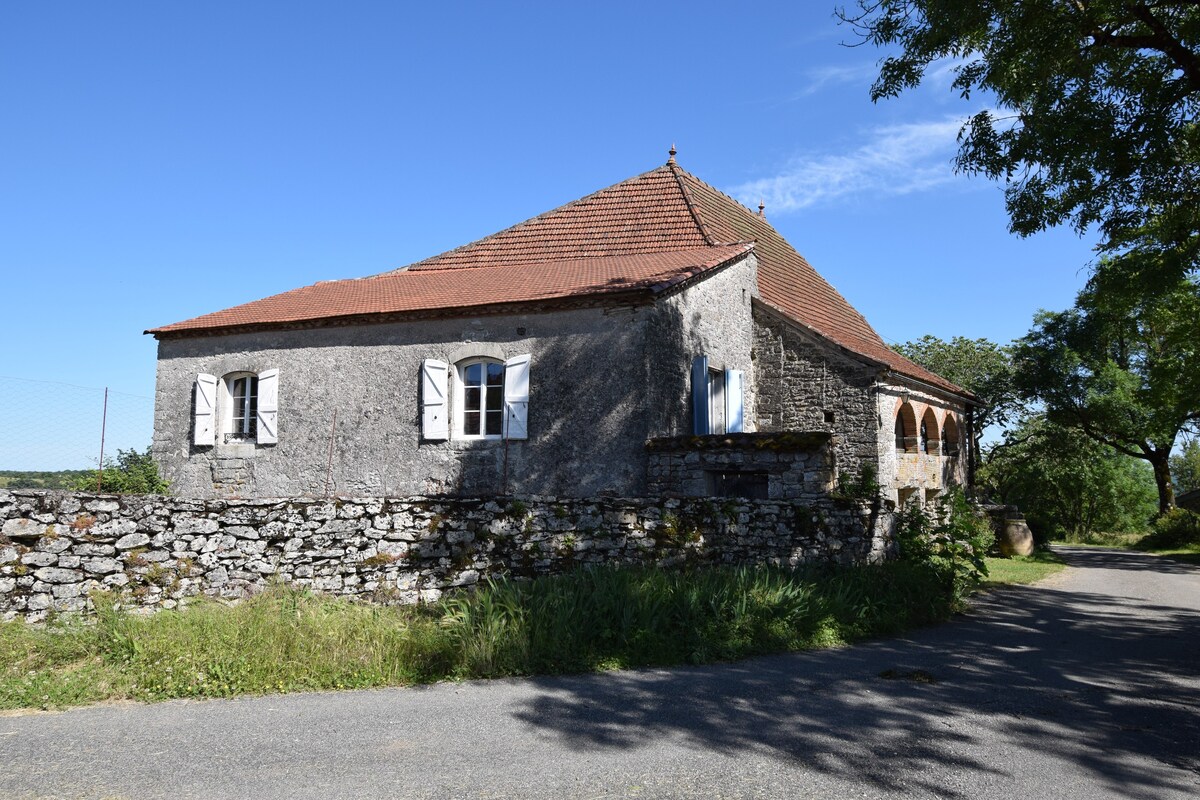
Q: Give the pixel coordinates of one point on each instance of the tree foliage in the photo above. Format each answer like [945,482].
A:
[1069,485]
[1120,368]
[1185,467]
[1096,102]
[130,473]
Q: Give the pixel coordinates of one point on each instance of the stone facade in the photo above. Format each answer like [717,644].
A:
[781,466]
[808,384]
[922,470]
[805,384]
[603,381]
[156,552]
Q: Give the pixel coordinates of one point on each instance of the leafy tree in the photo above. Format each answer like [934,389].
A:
[979,365]
[1096,107]
[1185,467]
[1069,485]
[1120,368]
[131,473]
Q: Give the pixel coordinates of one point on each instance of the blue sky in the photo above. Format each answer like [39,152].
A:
[162,160]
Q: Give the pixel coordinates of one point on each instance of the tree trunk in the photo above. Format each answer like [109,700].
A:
[1160,460]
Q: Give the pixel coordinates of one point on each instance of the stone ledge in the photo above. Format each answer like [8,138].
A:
[790,440]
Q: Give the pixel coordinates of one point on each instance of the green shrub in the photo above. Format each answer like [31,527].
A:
[131,473]
[952,542]
[1175,529]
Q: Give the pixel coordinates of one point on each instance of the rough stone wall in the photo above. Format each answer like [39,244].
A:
[807,385]
[156,552]
[797,466]
[916,475]
[602,381]
[711,318]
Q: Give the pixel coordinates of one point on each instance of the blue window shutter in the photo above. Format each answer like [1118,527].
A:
[700,425]
[734,414]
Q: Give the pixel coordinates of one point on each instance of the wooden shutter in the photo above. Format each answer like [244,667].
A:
[700,425]
[268,406]
[734,413]
[204,431]
[516,397]
[435,409]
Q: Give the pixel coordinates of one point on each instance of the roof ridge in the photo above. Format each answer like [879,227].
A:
[690,202]
[522,224]
[762,219]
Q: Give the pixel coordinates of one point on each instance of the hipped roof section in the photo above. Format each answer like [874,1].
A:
[641,236]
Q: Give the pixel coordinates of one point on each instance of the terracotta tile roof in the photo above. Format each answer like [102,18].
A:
[639,232]
[434,289]
[667,208]
[788,282]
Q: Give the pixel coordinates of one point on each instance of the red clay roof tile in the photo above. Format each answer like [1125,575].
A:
[662,225]
[462,289]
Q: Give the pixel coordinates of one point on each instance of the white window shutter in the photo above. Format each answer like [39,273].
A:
[734,408]
[700,421]
[435,420]
[204,432]
[268,406]
[516,397]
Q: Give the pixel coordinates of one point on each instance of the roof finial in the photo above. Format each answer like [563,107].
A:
[671,152]
[761,207]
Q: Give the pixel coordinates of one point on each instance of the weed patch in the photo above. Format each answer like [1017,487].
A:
[286,639]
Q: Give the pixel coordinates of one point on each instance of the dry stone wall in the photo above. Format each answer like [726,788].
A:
[57,548]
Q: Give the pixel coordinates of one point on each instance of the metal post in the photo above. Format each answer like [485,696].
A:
[329,461]
[103,427]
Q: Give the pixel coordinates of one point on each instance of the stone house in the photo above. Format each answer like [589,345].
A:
[655,337]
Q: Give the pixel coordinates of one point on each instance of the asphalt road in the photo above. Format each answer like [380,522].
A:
[1087,686]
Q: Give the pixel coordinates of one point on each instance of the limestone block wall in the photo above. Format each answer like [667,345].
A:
[157,552]
[806,385]
[602,381]
[786,466]
[915,475]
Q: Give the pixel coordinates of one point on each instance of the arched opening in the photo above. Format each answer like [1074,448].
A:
[950,441]
[930,443]
[906,429]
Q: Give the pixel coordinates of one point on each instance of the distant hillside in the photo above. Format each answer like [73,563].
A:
[63,479]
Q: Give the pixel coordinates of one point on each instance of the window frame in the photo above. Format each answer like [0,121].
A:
[460,399]
[227,399]
[717,424]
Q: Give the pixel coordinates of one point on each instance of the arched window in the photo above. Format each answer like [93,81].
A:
[481,399]
[950,436]
[906,429]
[930,443]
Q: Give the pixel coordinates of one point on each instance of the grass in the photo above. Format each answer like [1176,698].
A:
[1103,539]
[1188,554]
[287,640]
[1023,569]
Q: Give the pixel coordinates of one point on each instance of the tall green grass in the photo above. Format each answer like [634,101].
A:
[287,639]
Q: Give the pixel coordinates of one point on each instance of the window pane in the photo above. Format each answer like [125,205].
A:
[495,374]
[495,398]
[471,423]
[252,414]
[495,423]
[471,399]
[473,374]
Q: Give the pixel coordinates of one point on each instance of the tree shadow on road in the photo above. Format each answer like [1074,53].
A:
[1106,683]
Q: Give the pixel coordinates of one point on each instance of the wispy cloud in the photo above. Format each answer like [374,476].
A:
[817,79]
[894,160]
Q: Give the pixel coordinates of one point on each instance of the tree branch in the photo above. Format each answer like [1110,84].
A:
[1160,39]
